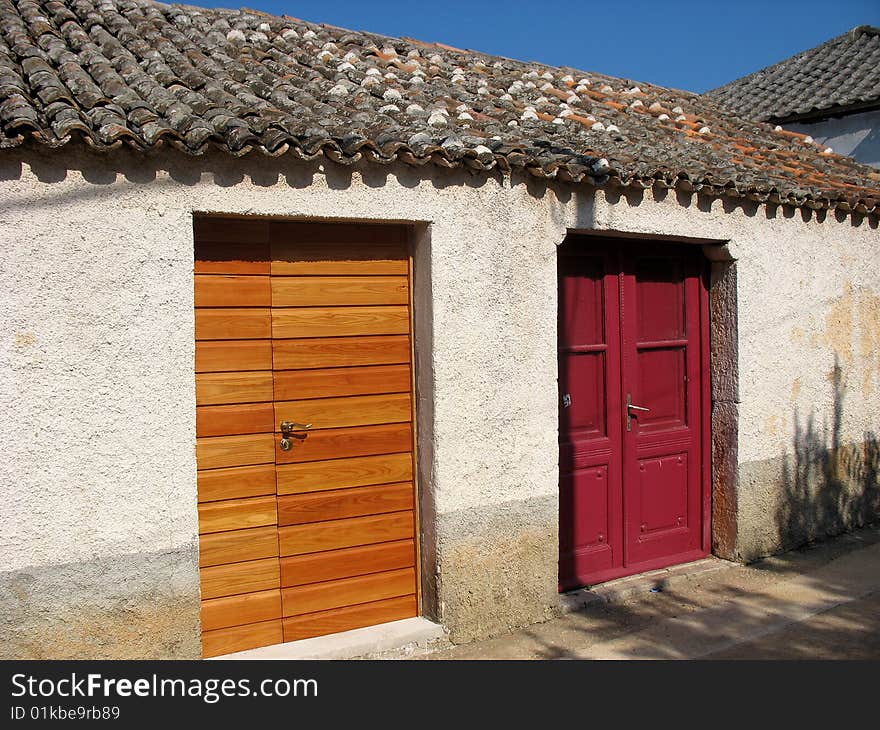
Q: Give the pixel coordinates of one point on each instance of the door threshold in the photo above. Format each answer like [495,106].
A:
[657,580]
[393,640]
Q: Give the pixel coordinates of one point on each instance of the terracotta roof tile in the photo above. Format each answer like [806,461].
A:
[144,74]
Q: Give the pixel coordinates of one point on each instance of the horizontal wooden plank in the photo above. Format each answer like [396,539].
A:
[247,608]
[347,592]
[350,617]
[336,504]
[235,578]
[222,388]
[358,471]
[237,514]
[249,232]
[362,237]
[218,452]
[237,546]
[239,638]
[359,410]
[332,321]
[233,324]
[327,352]
[324,266]
[345,563]
[336,251]
[328,291]
[330,382]
[338,443]
[236,482]
[219,290]
[235,261]
[215,356]
[301,539]
[236,419]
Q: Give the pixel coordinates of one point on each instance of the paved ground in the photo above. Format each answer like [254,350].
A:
[821,602]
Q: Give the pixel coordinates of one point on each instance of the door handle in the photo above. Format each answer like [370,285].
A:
[630,407]
[287,431]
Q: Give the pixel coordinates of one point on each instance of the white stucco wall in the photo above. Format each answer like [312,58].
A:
[856,135]
[807,291]
[97,354]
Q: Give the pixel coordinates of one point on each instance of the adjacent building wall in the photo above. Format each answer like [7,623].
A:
[856,135]
[98,536]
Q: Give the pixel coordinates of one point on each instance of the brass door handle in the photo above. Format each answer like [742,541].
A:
[288,426]
[287,431]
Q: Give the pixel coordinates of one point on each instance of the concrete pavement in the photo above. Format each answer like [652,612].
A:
[820,602]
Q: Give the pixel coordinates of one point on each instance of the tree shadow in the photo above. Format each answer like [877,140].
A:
[734,613]
[829,485]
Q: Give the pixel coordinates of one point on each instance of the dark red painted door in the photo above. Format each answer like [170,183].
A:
[632,355]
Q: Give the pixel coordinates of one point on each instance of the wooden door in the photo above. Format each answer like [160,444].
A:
[307,323]
[633,356]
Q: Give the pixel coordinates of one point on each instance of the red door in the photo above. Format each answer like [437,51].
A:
[633,353]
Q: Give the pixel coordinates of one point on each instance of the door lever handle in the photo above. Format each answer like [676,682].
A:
[630,408]
[287,431]
[287,426]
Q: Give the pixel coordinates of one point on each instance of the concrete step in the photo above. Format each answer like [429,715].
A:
[402,639]
[618,590]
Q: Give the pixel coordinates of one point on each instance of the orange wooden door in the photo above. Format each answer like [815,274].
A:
[309,323]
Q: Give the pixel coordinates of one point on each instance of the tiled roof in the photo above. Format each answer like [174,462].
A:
[842,72]
[144,74]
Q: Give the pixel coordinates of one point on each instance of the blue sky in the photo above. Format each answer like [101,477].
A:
[682,44]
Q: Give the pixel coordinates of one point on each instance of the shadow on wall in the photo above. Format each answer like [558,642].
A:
[163,167]
[828,486]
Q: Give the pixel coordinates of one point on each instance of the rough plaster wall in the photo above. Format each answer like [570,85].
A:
[122,275]
[808,293]
[98,347]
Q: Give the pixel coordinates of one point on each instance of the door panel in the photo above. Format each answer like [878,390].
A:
[305,291]
[233,324]
[333,382]
[632,482]
[239,638]
[236,419]
[328,352]
[237,482]
[662,449]
[236,578]
[362,410]
[238,546]
[338,321]
[591,536]
[237,514]
[346,592]
[350,617]
[339,443]
[230,355]
[347,562]
[335,504]
[223,451]
[308,323]
[247,608]
[335,534]
[314,476]
[232,291]
[240,387]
